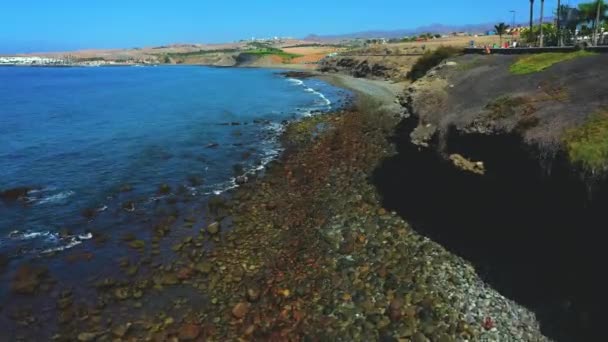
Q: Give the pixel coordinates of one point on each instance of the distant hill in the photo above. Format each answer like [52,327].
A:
[433,28]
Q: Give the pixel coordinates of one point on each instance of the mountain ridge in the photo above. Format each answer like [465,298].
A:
[436,28]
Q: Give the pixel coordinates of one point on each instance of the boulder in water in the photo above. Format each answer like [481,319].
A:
[28,278]
[15,194]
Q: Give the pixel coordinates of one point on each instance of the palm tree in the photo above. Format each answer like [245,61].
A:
[559,23]
[593,12]
[501,29]
[600,9]
[531,15]
[542,12]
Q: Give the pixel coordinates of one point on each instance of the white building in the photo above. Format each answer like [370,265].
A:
[33,60]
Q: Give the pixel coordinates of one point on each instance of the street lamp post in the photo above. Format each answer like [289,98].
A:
[512,24]
[559,23]
[513,21]
[542,10]
[531,14]
[597,23]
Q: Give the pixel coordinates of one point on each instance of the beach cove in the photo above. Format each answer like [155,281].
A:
[304,251]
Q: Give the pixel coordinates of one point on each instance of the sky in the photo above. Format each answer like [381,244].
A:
[61,25]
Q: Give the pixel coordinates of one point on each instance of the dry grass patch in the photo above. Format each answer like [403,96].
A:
[588,144]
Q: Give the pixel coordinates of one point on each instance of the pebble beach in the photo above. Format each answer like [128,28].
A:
[303,252]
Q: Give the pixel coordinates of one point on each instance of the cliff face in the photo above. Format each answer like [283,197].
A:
[369,66]
[483,168]
[479,94]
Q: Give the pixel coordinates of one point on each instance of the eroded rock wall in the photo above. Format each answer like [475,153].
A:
[490,181]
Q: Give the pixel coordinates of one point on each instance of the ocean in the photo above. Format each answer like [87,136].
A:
[99,148]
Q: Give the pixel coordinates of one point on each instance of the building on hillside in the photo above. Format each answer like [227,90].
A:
[31,60]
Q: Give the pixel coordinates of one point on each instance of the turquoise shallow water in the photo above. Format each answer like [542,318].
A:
[78,136]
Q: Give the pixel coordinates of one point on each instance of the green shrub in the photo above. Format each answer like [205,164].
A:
[431,60]
[588,144]
[272,52]
[539,62]
[506,106]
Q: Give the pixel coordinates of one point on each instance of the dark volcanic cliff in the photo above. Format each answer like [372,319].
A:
[483,168]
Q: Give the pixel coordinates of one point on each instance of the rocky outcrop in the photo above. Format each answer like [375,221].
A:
[482,169]
[16,194]
[362,67]
[479,95]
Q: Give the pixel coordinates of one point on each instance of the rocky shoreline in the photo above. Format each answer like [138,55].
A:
[305,252]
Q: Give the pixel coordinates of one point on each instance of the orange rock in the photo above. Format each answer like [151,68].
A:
[184,273]
[28,278]
[240,310]
[189,332]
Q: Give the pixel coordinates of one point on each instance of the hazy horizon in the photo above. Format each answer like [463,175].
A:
[64,25]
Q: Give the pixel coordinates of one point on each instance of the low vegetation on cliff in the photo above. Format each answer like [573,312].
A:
[272,52]
[539,62]
[588,144]
[431,60]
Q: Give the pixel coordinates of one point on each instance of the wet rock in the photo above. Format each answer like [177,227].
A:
[121,330]
[129,206]
[189,332]
[15,194]
[126,188]
[3,262]
[297,74]
[213,228]
[129,237]
[195,180]
[240,180]
[169,279]
[28,279]
[445,338]
[132,270]
[64,303]
[419,337]
[395,309]
[467,165]
[253,294]
[89,213]
[137,244]
[204,267]
[240,310]
[87,336]
[184,273]
[105,283]
[216,203]
[164,189]
[121,293]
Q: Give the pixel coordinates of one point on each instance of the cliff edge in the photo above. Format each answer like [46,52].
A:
[502,160]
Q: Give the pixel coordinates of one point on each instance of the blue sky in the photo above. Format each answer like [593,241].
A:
[52,25]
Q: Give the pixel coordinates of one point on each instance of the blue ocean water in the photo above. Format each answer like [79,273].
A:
[80,137]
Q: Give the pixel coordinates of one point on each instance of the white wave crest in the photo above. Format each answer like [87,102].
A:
[307,89]
[295,81]
[70,244]
[324,99]
[60,242]
[29,235]
[56,197]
